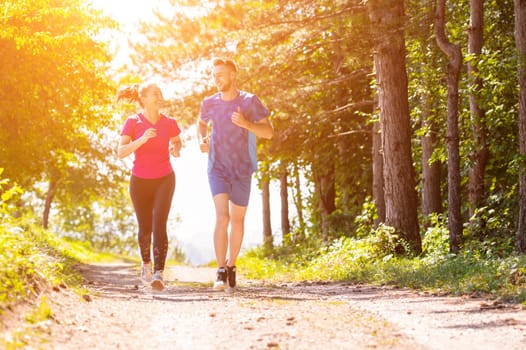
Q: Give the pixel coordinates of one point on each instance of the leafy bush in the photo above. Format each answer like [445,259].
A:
[435,242]
[31,258]
[478,269]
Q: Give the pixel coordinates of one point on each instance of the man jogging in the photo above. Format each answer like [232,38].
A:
[237,117]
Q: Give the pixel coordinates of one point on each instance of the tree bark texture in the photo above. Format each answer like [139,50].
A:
[453,162]
[520,40]
[378,174]
[326,193]
[267,228]
[431,196]
[476,187]
[283,185]
[391,77]
[298,201]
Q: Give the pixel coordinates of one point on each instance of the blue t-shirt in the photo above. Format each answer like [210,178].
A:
[232,148]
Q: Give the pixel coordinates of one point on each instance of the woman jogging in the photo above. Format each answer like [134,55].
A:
[152,137]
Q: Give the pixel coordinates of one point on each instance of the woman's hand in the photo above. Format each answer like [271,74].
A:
[175,146]
[148,134]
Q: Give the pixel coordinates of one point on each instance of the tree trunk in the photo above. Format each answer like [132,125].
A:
[267,228]
[378,174]
[520,42]
[476,187]
[326,192]
[453,162]
[298,201]
[431,196]
[391,77]
[47,204]
[283,181]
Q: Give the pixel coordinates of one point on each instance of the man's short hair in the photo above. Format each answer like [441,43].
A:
[226,62]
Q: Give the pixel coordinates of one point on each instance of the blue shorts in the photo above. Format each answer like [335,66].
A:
[237,189]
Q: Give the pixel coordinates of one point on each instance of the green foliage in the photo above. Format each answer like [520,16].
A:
[365,221]
[387,242]
[32,258]
[9,195]
[177,255]
[435,242]
[28,261]
[42,312]
[56,93]
[476,270]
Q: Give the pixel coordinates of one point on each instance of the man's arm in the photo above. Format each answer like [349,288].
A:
[261,128]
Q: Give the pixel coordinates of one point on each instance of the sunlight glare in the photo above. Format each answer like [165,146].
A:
[127,12]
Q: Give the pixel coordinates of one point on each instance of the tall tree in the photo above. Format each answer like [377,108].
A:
[520,40]
[55,90]
[423,57]
[453,162]
[267,223]
[476,187]
[378,173]
[284,196]
[431,169]
[391,78]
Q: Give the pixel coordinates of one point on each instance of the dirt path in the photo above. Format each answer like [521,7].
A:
[121,314]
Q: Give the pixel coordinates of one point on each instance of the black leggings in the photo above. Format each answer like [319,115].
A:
[152,199]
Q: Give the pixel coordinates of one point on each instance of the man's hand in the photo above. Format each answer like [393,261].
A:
[205,144]
[239,119]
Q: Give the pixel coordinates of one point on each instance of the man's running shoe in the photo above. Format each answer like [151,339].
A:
[157,281]
[220,282]
[231,274]
[146,273]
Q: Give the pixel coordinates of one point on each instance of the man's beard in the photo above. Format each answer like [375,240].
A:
[224,87]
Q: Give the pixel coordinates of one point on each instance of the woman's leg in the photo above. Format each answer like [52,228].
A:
[161,210]
[142,198]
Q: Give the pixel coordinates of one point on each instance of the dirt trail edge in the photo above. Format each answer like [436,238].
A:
[120,313]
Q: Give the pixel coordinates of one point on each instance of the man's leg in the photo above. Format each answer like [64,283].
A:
[238,208]
[221,238]
[221,228]
[237,231]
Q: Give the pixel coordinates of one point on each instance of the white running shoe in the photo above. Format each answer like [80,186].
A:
[157,281]
[146,273]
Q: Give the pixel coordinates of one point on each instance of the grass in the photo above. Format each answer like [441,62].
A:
[360,261]
[33,259]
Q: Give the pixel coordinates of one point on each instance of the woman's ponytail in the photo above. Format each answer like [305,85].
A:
[129,93]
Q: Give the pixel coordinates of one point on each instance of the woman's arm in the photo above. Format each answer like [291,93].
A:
[175,146]
[127,146]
